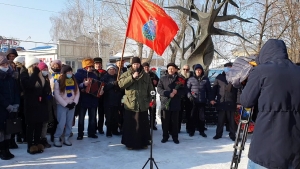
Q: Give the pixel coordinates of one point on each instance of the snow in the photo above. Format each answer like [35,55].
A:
[108,153]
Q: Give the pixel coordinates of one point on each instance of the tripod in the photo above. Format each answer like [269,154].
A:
[151,159]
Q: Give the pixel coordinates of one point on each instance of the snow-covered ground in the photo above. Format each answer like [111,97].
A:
[108,153]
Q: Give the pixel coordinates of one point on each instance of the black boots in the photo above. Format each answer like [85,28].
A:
[45,143]
[12,142]
[5,153]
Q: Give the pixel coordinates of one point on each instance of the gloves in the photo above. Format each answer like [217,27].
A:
[10,108]
[70,106]
[73,104]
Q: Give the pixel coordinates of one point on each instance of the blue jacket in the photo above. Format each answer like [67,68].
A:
[275,85]
[86,100]
[200,89]
[9,95]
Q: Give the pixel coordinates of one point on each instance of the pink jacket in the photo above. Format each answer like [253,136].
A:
[62,99]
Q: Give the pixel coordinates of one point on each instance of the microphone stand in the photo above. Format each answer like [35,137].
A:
[151,159]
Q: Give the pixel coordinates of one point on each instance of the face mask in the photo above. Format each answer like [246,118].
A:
[4,69]
[45,73]
[56,70]
[226,69]
[69,76]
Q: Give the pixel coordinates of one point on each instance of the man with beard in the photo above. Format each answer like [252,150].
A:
[170,95]
[185,102]
[199,92]
[100,73]
[137,85]
[154,80]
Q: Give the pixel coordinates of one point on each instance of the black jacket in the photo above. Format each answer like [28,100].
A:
[36,91]
[227,96]
[112,93]
[165,87]
[153,76]
[274,84]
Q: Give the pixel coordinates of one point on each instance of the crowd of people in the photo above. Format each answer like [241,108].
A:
[49,97]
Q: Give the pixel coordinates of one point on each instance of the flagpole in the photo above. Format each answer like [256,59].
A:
[124,43]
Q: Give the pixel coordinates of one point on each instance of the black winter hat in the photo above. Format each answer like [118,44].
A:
[98,60]
[11,51]
[145,64]
[229,64]
[65,69]
[198,66]
[172,64]
[135,60]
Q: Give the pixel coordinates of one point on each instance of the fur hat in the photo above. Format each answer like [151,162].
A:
[55,62]
[145,64]
[98,60]
[172,64]
[87,63]
[30,60]
[135,60]
[110,66]
[65,69]
[3,59]
[42,66]
[19,59]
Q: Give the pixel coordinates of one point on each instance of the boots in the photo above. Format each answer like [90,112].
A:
[57,142]
[6,145]
[67,142]
[40,148]
[12,142]
[33,149]
[19,139]
[5,153]
[45,143]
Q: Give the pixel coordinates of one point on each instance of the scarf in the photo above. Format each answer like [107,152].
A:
[55,76]
[70,85]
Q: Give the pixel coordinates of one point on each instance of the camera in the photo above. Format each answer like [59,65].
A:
[152,93]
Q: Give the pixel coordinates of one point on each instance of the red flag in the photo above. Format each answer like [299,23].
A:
[150,25]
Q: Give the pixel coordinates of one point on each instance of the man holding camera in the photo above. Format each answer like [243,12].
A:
[137,85]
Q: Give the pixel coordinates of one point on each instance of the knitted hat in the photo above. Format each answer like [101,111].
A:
[19,59]
[55,62]
[145,64]
[87,63]
[42,66]
[3,59]
[30,60]
[97,60]
[11,51]
[110,66]
[135,60]
[172,64]
[65,69]
[198,66]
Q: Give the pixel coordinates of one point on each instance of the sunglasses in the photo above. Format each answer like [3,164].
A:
[186,69]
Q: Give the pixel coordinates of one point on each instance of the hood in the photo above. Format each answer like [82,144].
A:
[273,49]
[197,66]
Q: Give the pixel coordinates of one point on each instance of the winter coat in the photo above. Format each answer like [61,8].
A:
[112,92]
[274,84]
[9,95]
[200,89]
[62,98]
[227,96]
[165,87]
[86,100]
[99,73]
[36,91]
[137,91]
